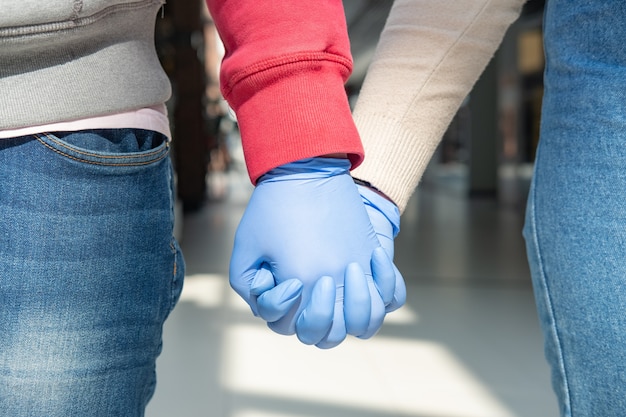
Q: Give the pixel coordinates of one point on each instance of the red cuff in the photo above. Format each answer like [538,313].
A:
[301,112]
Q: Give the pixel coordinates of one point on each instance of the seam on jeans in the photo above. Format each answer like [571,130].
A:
[102,163]
[97,155]
[176,284]
[549,304]
[173,249]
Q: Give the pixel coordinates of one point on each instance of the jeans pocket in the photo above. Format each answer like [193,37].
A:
[108,147]
[87,270]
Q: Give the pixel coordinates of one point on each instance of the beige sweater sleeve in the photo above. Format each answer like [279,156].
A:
[430,54]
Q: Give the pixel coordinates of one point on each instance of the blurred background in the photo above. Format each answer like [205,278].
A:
[467,344]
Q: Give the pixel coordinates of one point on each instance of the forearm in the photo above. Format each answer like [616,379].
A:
[283,74]
[430,54]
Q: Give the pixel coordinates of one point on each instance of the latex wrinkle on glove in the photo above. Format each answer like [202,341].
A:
[307,259]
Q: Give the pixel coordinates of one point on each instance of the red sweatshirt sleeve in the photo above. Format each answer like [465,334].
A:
[283,74]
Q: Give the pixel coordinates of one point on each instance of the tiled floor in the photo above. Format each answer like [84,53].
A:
[467,344]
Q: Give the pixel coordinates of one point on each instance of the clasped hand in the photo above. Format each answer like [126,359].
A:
[307,257]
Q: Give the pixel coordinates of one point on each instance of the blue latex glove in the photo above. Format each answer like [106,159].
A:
[304,255]
[385,218]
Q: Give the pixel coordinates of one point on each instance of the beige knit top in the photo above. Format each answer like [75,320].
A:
[430,54]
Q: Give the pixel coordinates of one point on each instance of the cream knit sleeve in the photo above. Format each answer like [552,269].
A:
[430,54]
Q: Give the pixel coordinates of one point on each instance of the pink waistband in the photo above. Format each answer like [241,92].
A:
[149,118]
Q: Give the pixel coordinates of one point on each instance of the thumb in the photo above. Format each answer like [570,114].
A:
[275,303]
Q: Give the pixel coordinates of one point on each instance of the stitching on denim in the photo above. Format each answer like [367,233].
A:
[97,155]
[175,253]
[176,283]
[565,386]
[100,163]
[548,299]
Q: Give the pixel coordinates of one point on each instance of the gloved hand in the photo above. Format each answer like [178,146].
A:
[385,218]
[305,252]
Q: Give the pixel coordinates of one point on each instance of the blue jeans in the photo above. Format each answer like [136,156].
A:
[89,270]
[576,216]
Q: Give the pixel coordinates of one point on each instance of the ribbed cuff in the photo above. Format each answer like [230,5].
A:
[396,158]
[302,115]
